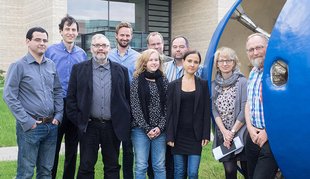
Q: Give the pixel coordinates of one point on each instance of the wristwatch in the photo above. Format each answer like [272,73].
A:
[233,131]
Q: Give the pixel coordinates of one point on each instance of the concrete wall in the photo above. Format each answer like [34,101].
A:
[18,16]
[196,20]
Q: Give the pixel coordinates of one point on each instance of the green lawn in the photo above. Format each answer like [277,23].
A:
[7,124]
[209,168]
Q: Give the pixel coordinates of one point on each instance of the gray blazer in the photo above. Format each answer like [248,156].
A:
[241,99]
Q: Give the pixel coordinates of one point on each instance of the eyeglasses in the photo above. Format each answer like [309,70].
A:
[100,45]
[40,40]
[257,48]
[228,62]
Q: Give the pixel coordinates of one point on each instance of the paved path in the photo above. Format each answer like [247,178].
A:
[10,153]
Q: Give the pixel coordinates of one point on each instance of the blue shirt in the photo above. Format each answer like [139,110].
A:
[33,89]
[255,98]
[64,61]
[128,60]
[174,72]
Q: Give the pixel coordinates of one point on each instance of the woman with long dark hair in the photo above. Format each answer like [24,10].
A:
[188,115]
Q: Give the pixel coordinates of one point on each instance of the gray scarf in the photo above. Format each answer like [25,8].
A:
[222,83]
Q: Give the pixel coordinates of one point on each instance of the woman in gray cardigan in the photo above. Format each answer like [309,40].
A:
[229,94]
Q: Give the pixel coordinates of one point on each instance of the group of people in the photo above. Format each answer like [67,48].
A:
[155,106]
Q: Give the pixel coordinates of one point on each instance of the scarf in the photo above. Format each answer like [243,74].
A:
[144,91]
[221,83]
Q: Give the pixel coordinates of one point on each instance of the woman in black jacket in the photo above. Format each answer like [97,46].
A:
[188,117]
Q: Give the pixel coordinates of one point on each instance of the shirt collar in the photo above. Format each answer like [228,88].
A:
[258,70]
[30,59]
[62,44]
[96,65]
[127,51]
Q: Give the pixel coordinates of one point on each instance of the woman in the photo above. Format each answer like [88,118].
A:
[188,115]
[148,104]
[229,93]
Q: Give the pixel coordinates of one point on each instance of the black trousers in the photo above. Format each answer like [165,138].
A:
[103,135]
[127,159]
[261,163]
[69,130]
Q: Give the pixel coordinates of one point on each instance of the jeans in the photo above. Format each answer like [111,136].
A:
[36,148]
[142,146]
[180,162]
[261,162]
[103,135]
[69,130]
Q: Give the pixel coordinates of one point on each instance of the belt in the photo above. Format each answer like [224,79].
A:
[93,119]
[48,119]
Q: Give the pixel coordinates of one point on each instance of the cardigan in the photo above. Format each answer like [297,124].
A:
[241,98]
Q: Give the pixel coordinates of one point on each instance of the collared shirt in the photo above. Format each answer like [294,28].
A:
[101,103]
[128,60]
[174,72]
[255,98]
[64,61]
[33,88]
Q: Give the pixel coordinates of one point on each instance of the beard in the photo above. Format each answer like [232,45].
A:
[123,44]
[258,62]
[101,60]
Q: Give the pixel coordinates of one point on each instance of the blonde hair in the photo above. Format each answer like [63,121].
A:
[229,53]
[143,59]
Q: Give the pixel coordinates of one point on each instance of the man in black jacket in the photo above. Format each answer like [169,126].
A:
[98,104]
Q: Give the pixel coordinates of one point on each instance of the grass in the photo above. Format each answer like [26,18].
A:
[209,168]
[7,124]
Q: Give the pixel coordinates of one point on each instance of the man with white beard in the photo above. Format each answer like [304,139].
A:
[260,160]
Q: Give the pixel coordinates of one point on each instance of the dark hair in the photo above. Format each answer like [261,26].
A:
[180,36]
[70,20]
[35,29]
[192,52]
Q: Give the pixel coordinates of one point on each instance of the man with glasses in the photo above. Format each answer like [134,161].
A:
[65,54]
[34,95]
[126,56]
[260,160]
[98,104]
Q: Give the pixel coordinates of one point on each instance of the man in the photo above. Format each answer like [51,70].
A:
[174,69]
[260,160]
[98,104]
[65,54]
[33,93]
[126,56]
[156,41]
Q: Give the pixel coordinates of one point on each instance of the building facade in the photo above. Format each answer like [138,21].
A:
[195,19]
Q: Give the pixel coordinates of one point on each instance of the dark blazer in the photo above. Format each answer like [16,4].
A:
[80,92]
[201,112]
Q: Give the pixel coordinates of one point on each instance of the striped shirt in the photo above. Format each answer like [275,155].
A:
[255,98]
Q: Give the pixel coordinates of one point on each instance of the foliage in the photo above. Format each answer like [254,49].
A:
[1,77]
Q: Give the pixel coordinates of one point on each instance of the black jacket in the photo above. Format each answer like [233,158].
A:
[80,92]
[201,112]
